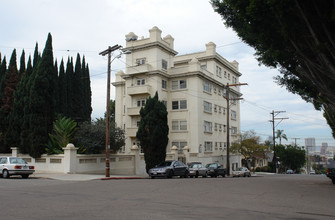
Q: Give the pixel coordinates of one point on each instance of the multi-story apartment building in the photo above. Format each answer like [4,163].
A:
[193,88]
[310,145]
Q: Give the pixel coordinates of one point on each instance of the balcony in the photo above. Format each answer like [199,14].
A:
[133,111]
[137,90]
[131,132]
[144,68]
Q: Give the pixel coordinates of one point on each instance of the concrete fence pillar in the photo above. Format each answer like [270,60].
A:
[15,151]
[70,158]
[174,151]
[136,152]
[186,151]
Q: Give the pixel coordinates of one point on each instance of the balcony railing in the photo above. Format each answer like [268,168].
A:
[133,111]
[136,90]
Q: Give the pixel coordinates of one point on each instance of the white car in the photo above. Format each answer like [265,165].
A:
[15,166]
[241,171]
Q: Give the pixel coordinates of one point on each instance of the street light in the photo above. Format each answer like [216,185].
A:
[103,53]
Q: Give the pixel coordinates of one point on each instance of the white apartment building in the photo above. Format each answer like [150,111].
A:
[193,88]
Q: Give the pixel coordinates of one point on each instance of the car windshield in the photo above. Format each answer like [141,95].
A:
[193,165]
[211,165]
[165,164]
[240,169]
[17,161]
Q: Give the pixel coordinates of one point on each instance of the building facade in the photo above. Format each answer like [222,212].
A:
[193,88]
[310,145]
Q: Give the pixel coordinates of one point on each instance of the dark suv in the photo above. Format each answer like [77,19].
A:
[215,170]
[331,171]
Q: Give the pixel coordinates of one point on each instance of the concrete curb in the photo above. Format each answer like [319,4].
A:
[122,178]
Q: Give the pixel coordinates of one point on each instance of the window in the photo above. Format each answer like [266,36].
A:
[208,126]
[164,64]
[220,127]
[207,87]
[208,146]
[218,71]
[179,84]
[224,110]
[207,107]
[219,109]
[179,125]
[215,89]
[233,115]
[140,102]
[182,104]
[220,145]
[215,126]
[204,66]
[216,145]
[215,108]
[233,130]
[225,74]
[140,61]
[180,145]
[164,84]
[224,128]
[140,82]
[138,123]
[228,76]
[164,102]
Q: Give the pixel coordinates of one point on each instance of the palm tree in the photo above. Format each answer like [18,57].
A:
[280,134]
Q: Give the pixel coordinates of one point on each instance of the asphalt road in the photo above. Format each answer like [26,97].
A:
[266,197]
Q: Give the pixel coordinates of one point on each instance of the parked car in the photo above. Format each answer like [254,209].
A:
[15,166]
[331,171]
[168,169]
[197,169]
[215,170]
[289,171]
[241,171]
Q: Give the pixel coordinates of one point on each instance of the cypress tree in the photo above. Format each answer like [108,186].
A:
[153,131]
[22,63]
[37,56]
[25,129]
[42,101]
[11,81]
[3,66]
[62,88]
[87,93]
[77,92]
[15,118]
[69,77]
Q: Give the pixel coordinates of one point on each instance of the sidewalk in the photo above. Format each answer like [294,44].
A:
[81,177]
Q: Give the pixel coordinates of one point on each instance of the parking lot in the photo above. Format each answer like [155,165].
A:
[266,197]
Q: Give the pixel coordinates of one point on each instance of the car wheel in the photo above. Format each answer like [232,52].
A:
[224,175]
[5,174]
[244,175]
[25,176]
[170,174]
[152,177]
[333,180]
[205,175]
[196,174]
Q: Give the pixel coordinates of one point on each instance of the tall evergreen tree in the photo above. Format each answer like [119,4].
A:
[69,79]
[37,56]
[22,63]
[25,128]
[62,89]
[153,131]
[3,66]
[11,81]
[77,92]
[42,101]
[15,118]
[87,93]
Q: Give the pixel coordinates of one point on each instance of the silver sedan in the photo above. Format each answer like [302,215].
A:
[15,166]
[197,169]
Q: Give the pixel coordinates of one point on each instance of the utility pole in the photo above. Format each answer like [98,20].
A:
[274,114]
[295,141]
[228,118]
[103,53]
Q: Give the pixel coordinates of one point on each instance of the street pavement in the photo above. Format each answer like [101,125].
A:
[87,177]
[81,177]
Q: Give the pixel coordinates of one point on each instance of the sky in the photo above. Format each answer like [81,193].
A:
[89,27]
